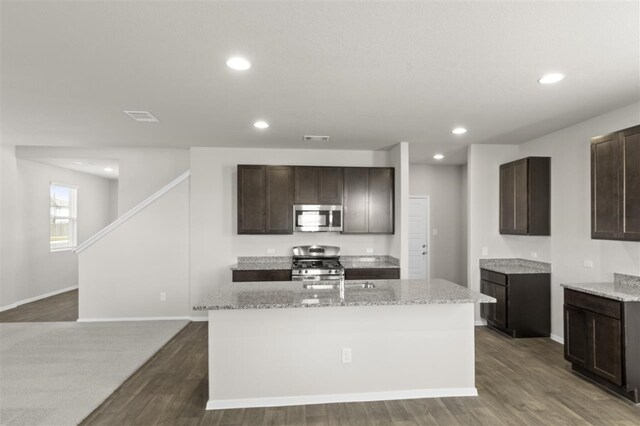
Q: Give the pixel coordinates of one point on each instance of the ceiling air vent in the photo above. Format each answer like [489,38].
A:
[144,116]
[311,138]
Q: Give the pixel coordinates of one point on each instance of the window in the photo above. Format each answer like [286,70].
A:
[63,223]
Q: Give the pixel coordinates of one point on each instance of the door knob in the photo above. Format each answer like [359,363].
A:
[424,246]
[424,252]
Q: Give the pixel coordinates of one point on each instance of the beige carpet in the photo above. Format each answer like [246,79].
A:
[58,373]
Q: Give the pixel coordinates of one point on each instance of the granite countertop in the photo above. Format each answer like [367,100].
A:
[625,288]
[515,266]
[291,294]
[253,263]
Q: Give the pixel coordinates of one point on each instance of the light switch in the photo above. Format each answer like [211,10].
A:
[587,263]
[485,251]
[369,250]
[271,251]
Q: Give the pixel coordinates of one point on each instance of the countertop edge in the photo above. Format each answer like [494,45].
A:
[595,292]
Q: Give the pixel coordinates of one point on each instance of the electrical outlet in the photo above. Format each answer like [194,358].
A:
[271,251]
[587,263]
[369,250]
[435,231]
[534,254]
[163,296]
[346,355]
[485,251]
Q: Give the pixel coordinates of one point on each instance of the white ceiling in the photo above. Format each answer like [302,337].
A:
[367,74]
[92,166]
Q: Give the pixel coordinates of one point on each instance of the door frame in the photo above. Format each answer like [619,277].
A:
[427,233]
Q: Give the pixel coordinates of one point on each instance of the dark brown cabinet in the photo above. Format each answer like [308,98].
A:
[261,275]
[368,200]
[615,185]
[265,196]
[525,197]
[523,303]
[601,340]
[372,273]
[317,185]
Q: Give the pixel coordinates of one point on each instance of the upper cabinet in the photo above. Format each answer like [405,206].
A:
[615,185]
[266,195]
[368,204]
[525,196]
[265,199]
[317,185]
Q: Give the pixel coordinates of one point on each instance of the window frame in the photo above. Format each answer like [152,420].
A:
[73,218]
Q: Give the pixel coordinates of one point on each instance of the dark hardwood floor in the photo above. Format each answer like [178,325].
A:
[521,382]
[61,307]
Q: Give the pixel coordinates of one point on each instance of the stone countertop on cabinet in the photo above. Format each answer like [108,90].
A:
[624,288]
[265,263]
[292,294]
[515,266]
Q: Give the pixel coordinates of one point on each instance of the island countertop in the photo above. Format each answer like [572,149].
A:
[292,294]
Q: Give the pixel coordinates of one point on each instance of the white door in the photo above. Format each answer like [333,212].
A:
[418,242]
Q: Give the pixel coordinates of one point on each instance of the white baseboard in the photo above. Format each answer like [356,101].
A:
[481,323]
[33,299]
[133,319]
[334,398]
[557,338]
[200,318]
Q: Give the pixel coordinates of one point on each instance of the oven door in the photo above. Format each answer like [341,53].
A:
[317,218]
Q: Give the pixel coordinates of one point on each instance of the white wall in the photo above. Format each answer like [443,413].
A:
[142,171]
[123,273]
[28,268]
[215,244]
[145,171]
[399,156]
[445,187]
[113,199]
[570,242]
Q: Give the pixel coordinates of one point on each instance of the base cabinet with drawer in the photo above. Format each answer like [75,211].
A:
[602,341]
[372,273]
[523,303]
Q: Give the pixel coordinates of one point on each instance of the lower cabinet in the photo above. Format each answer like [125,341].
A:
[372,274]
[601,341]
[523,303]
[261,275]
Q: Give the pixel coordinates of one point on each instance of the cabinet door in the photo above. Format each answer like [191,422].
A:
[252,199]
[485,288]
[279,200]
[606,347]
[605,187]
[521,197]
[356,200]
[381,190]
[507,198]
[630,140]
[306,185]
[330,185]
[576,332]
[500,310]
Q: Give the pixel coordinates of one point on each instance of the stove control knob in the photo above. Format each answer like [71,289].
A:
[306,272]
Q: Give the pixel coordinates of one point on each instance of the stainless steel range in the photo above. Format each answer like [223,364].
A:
[315,263]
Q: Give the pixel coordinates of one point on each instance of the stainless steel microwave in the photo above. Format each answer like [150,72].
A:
[317,218]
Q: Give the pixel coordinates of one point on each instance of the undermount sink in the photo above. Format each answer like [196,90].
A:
[337,286]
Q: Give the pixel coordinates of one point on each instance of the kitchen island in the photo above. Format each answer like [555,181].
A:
[282,343]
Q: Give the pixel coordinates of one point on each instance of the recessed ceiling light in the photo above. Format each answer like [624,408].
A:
[108,169]
[144,116]
[459,131]
[78,162]
[551,78]
[438,157]
[239,64]
[261,124]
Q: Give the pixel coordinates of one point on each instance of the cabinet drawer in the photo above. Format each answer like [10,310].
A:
[597,304]
[494,277]
[372,274]
[262,275]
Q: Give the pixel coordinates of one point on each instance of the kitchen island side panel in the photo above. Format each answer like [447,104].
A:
[279,357]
